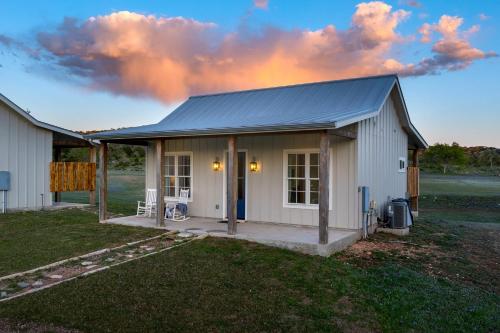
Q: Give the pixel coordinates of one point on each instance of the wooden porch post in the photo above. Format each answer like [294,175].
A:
[414,200]
[324,181]
[57,158]
[92,159]
[232,184]
[103,181]
[160,181]
[415,157]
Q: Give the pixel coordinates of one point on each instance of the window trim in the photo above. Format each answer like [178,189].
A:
[402,170]
[176,154]
[308,152]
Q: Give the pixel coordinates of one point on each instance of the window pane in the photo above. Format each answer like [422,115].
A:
[184,182]
[169,160]
[184,160]
[292,197]
[301,184]
[314,159]
[292,184]
[314,172]
[292,159]
[184,170]
[301,197]
[292,171]
[314,185]
[314,197]
[301,159]
[301,172]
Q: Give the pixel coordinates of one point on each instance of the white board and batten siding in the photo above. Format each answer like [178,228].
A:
[381,142]
[265,187]
[26,152]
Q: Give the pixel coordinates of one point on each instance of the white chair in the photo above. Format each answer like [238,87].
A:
[175,214]
[148,207]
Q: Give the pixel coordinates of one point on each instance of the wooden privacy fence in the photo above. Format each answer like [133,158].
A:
[413,181]
[72,176]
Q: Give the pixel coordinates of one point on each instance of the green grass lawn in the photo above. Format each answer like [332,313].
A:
[229,285]
[32,239]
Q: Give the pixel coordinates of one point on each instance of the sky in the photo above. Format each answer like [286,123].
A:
[92,65]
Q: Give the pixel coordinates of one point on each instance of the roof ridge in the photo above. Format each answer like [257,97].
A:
[296,85]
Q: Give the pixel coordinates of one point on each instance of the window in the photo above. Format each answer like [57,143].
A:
[402,164]
[302,178]
[178,173]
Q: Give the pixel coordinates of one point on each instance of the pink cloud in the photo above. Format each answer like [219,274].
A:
[262,4]
[170,58]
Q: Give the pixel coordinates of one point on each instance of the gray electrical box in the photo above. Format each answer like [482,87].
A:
[365,199]
[4,180]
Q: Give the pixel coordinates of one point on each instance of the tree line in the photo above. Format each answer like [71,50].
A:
[445,158]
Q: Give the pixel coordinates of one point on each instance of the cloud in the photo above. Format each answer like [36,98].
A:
[450,53]
[411,3]
[13,45]
[483,17]
[170,58]
[262,4]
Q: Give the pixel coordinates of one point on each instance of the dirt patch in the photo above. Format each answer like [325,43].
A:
[366,249]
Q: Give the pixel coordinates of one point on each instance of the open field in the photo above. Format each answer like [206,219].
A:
[443,277]
[125,188]
[460,185]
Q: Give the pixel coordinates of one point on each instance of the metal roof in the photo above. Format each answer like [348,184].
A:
[320,105]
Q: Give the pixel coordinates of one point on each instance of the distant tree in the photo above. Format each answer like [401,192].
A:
[444,155]
[489,157]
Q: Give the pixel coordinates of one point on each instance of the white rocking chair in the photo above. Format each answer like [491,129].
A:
[175,214]
[148,207]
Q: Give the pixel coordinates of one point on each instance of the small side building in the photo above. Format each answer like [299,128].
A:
[27,147]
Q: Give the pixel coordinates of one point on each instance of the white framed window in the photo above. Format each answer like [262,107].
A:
[402,164]
[178,173]
[301,178]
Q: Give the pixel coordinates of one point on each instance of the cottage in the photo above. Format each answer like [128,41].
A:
[27,148]
[293,155]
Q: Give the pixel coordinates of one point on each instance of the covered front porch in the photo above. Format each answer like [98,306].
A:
[219,178]
[298,238]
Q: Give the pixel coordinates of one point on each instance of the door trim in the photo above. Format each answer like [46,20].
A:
[224,181]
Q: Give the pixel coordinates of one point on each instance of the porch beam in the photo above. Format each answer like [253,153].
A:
[324,181]
[92,159]
[232,184]
[103,181]
[160,181]
[350,132]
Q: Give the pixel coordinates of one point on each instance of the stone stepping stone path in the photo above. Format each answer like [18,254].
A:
[26,282]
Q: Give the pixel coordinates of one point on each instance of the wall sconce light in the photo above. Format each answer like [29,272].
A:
[216,165]
[253,166]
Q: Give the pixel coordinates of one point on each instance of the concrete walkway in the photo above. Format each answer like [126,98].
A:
[298,238]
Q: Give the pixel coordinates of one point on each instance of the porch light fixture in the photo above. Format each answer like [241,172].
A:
[253,166]
[216,165]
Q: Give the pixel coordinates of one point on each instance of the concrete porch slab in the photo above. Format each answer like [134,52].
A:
[297,238]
